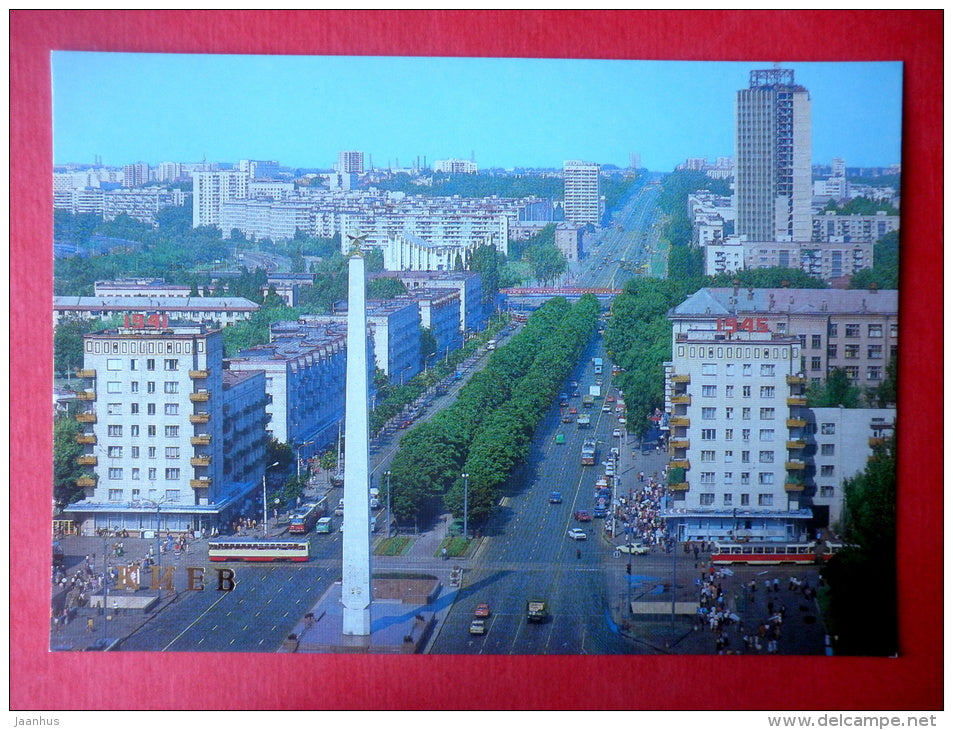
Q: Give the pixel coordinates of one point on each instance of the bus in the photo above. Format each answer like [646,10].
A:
[323,526]
[304,517]
[265,551]
[765,553]
[597,365]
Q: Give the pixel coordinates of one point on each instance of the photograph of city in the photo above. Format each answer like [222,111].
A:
[626,372]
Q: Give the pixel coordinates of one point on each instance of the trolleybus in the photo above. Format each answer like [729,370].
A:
[257,550]
[304,517]
[765,553]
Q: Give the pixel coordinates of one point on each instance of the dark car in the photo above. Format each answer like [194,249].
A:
[599,511]
[555,498]
[582,515]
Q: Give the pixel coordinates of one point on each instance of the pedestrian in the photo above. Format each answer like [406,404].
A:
[777,585]
[89,626]
[578,553]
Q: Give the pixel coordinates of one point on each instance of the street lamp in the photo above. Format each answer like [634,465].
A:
[264,497]
[466,489]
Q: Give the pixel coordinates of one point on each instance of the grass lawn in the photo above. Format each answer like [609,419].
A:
[393,545]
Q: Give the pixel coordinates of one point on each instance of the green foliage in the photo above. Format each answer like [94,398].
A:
[885,273]
[869,563]
[65,469]
[257,329]
[835,391]
[862,206]
[774,277]
[385,288]
[488,261]
[478,185]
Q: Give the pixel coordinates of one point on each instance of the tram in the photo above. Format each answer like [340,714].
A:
[265,551]
[765,553]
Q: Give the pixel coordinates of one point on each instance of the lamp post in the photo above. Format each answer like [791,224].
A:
[466,490]
[387,475]
[264,498]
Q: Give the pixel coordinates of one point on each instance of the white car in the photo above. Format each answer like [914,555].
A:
[616,433]
[633,548]
[577,534]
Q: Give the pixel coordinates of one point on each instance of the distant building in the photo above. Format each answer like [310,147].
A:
[456,167]
[582,200]
[569,241]
[210,190]
[140,287]
[469,285]
[221,311]
[829,226]
[350,162]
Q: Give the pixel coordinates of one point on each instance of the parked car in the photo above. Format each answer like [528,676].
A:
[582,515]
[599,511]
[633,548]
[617,433]
[555,497]
[482,610]
[576,534]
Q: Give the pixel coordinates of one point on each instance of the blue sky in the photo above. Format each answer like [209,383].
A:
[301,110]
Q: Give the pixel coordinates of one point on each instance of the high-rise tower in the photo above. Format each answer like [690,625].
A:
[581,192]
[773,158]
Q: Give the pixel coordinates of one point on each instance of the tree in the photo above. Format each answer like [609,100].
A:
[836,391]
[65,469]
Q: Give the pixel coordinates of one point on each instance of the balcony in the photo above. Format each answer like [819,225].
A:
[86,481]
[797,400]
[202,483]
[85,373]
[201,461]
[875,441]
[86,438]
[796,379]
[795,465]
[203,439]
[202,417]
[793,486]
[677,421]
[86,417]
[201,396]
[683,399]
[795,444]
[87,460]
[796,423]
[86,395]
[679,464]
[198,374]
[681,378]
[679,443]
[679,487]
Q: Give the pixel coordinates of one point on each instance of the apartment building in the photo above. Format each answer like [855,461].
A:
[469,286]
[440,313]
[829,226]
[221,311]
[158,409]
[831,261]
[211,189]
[582,202]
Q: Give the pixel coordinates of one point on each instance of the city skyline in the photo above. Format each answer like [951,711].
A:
[303,110]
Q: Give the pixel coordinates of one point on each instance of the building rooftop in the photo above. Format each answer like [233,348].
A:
[728,301]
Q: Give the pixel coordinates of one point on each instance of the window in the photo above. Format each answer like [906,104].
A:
[171,409]
[114,409]
[135,452]
[729,367]
[152,473]
[875,352]
[767,414]
[745,498]
[172,474]
[171,432]
[114,430]
[135,494]
[802,340]
[874,372]
[172,495]
[708,414]
[765,500]
[115,473]
[171,387]
[852,372]
[708,434]
[134,408]
[745,391]
[135,477]
[729,477]
[746,370]
[150,409]
[827,470]
[134,431]
[709,368]
[729,414]
[875,330]
[767,370]
[745,457]
[150,431]
[134,386]
[781,327]
[150,364]
[151,387]
[114,452]
[115,495]
[745,414]
[827,449]
[746,434]
[765,477]
[172,364]
[113,386]
[815,342]
[832,330]
[766,457]
[851,330]
[706,499]
[152,452]
[171,452]
[767,391]
[114,364]
[708,456]
[815,363]
[745,479]
[709,391]
[827,491]
[707,477]
[729,391]
[133,364]
[729,434]
[832,351]
[766,434]
[851,352]
[726,499]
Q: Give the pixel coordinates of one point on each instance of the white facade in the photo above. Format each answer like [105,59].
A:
[220,310]
[459,167]
[582,201]
[211,189]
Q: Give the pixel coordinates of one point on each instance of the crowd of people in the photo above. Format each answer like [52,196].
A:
[640,512]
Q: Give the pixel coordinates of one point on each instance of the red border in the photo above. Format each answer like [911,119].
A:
[41,680]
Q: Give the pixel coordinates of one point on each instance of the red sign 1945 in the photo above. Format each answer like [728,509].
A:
[748,324]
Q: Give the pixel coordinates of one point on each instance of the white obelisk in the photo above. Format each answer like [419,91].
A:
[356,563]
